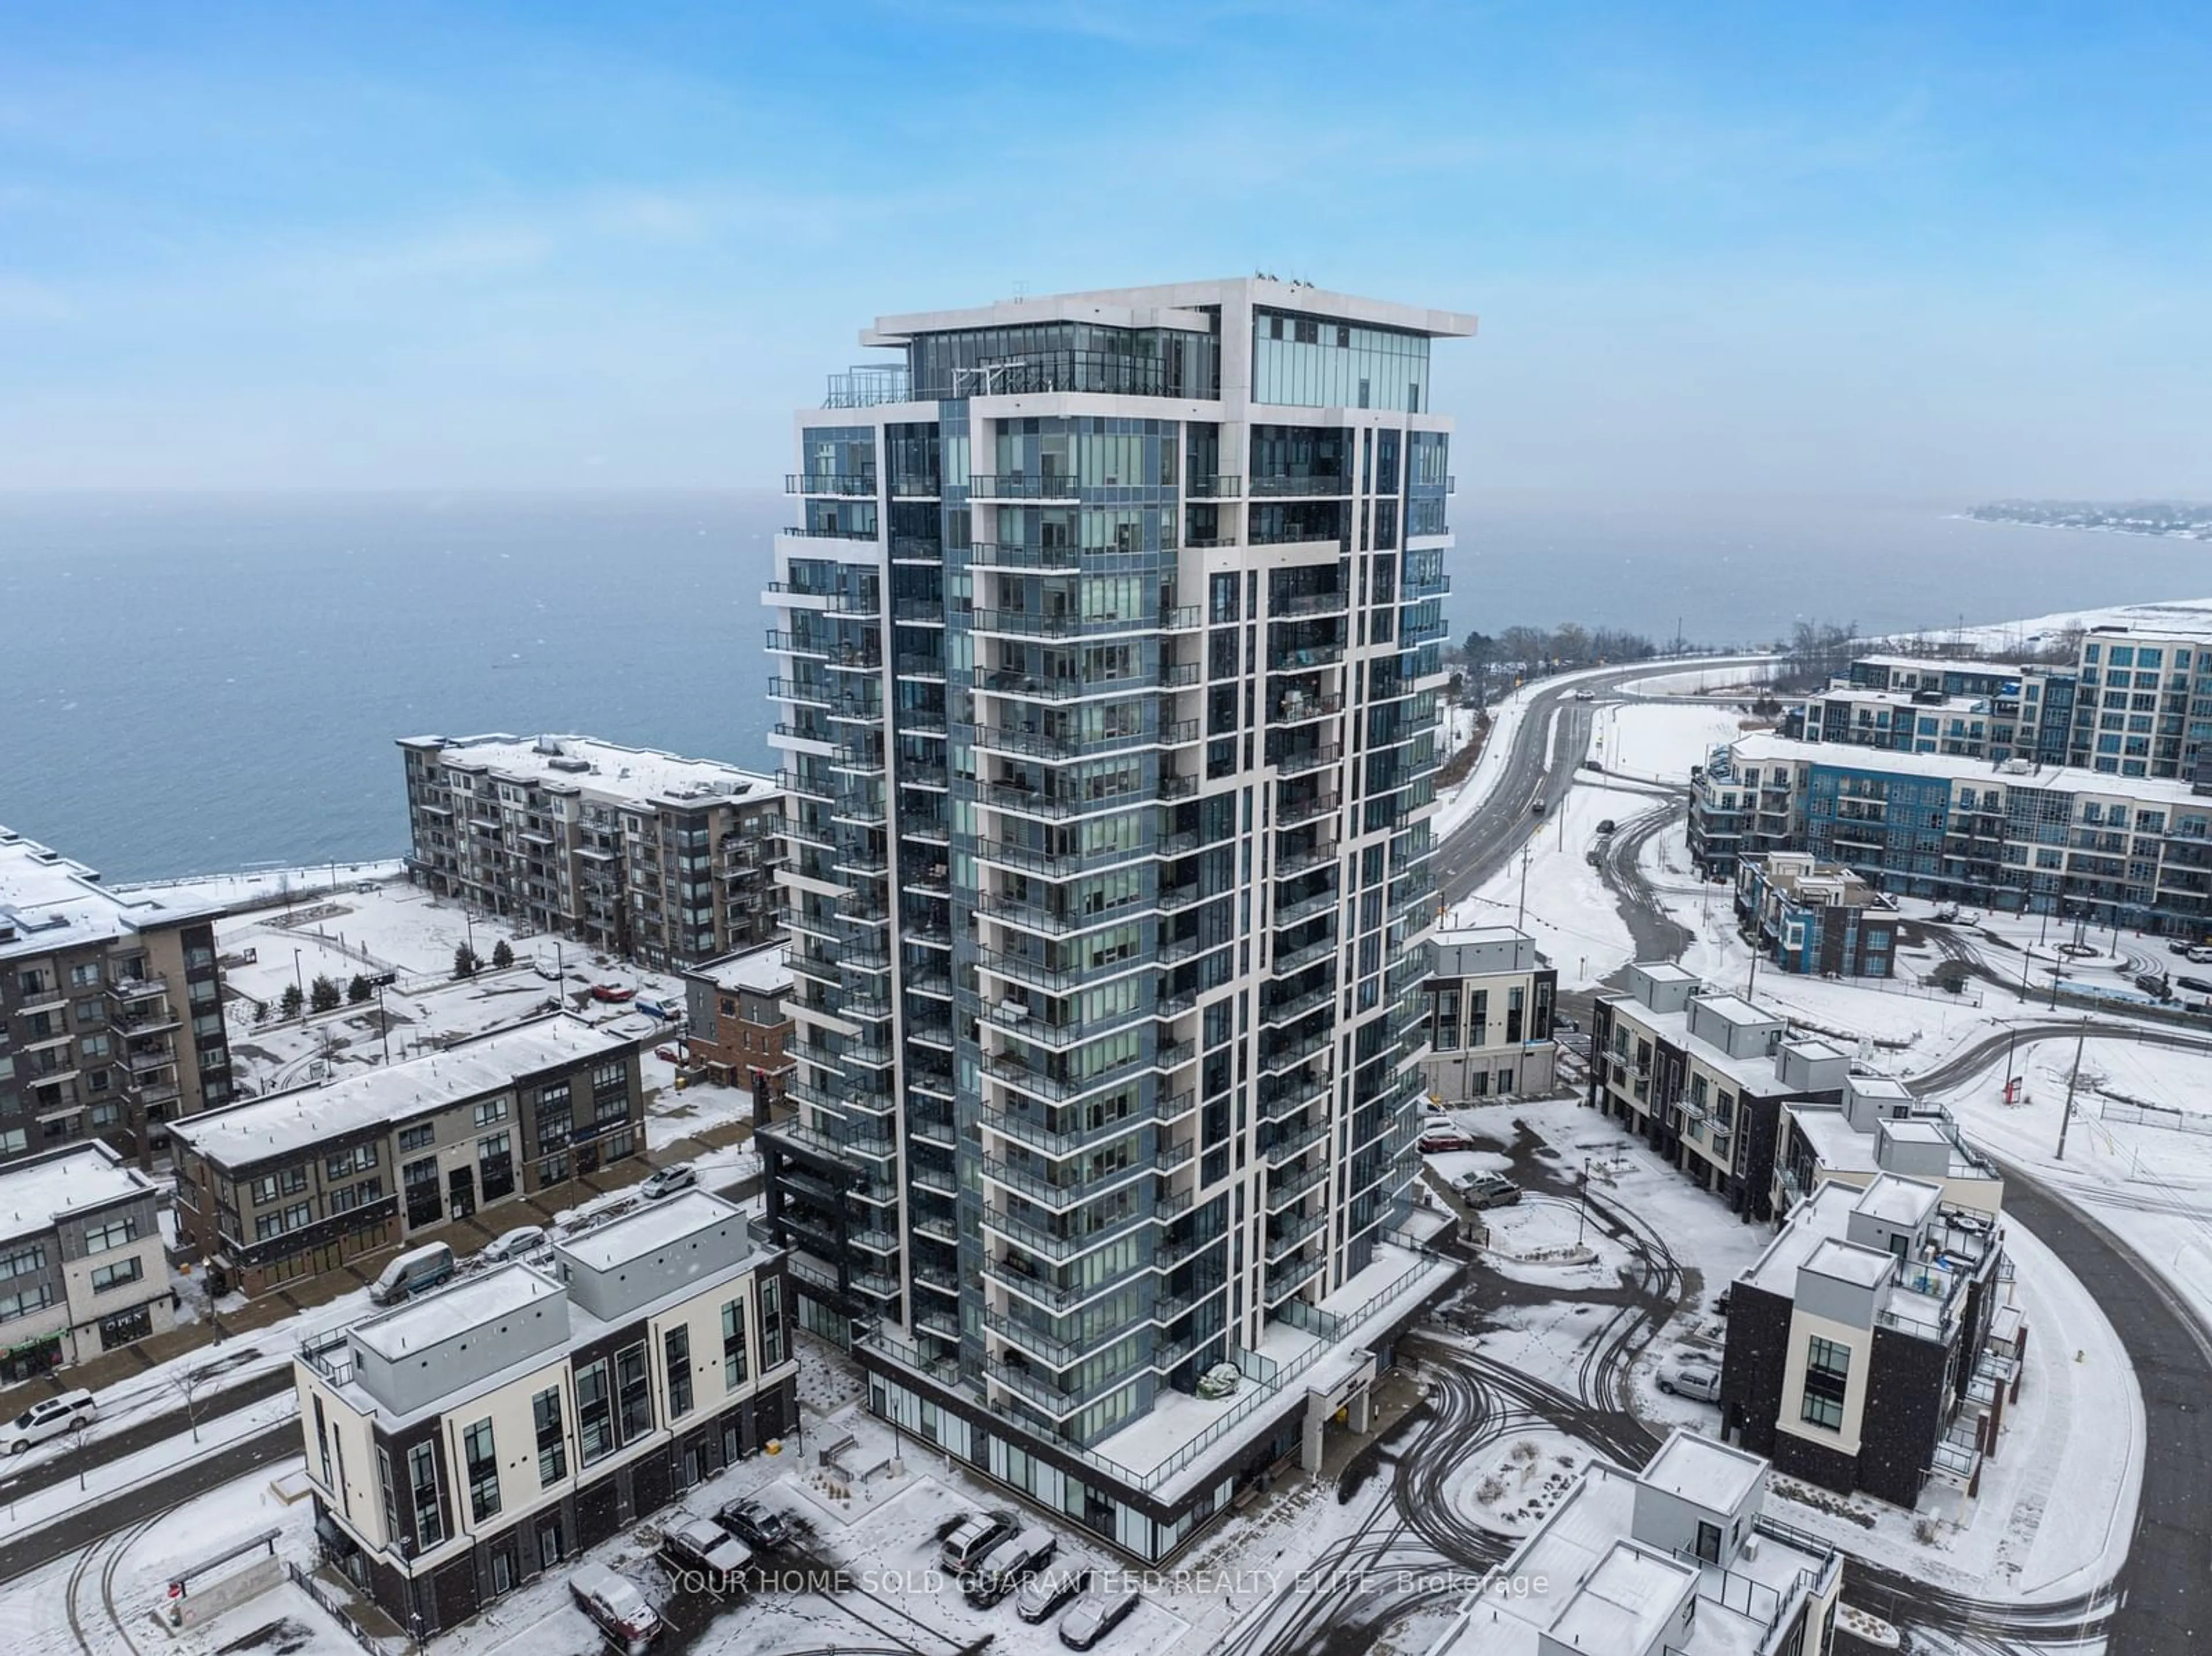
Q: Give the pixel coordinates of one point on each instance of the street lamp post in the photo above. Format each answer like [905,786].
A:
[383,1023]
[300,982]
[1581,1202]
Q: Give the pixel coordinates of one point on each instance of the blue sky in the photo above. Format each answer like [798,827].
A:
[1866,249]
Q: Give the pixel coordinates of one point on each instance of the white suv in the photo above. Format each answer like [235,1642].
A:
[49,1419]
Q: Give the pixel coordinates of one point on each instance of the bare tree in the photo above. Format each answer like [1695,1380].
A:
[187,1383]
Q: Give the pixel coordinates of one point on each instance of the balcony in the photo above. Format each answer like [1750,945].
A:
[1285,486]
[1220,486]
[1018,486]
[1300,760]
[805,482]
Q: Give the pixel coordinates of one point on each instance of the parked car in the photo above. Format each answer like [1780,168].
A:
[1435,1141]
[1011,1566]
[668,1055]
[616,1604]
[667,1181]
[2154,984]
[517,1244]
[612,993]
[704,1556]
[1047,1592]
[970,1541]
[2198,952]
[50,1418]
[1690,1380]
[1096,1614]
[1606,825]
[1488,1190]
[756,1525]
[2196,985]
[413,1272]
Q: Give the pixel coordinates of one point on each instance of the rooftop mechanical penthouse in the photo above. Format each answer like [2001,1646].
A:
[1109,659]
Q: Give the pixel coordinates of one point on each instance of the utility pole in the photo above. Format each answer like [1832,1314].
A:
[2067,1118]
[2012,1039]
[1521,915]
[383,1023]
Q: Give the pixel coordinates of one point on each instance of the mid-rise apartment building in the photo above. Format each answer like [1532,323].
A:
[1111,641]
[736,1028]
[2134,851]
[468,1442]
[658,860]
[1812,917]
[110,1010]
[1677,1560]
[1860,1352]
[1703,1075]
[1490,999]
[295,1183]
[82,1266]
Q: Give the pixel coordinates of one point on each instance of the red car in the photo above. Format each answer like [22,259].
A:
[613,992]
[668,1055]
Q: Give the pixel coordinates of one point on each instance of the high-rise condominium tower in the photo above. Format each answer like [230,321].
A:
[1108,661]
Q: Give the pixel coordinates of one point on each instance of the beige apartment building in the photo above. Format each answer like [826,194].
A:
[663,860]
[470,1441]
[1490,998]
[81,1269]
[110,1010]
[309,1180]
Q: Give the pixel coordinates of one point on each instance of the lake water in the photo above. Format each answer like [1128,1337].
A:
[210,682]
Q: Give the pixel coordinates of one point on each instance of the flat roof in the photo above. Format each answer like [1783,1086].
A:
[444,1312]
[50,901]
[1626,1601]
[1765,749]
[610,771]
[646,1229]
[1909,1132]
[1880,1087]
[763,971]
[1735,1008]
[287,1123]
[1900,1201]
[1179,305]
[1849,1261]
[1814,1047]
[1666,972]
[34,1194]
[1711,1475]
[1756,1074]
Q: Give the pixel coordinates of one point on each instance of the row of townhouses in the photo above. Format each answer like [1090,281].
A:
[1108,661]
[317,1178]
[471,1439]
[1874,1345]
[659,860]
[111,1013]
[1679,1559]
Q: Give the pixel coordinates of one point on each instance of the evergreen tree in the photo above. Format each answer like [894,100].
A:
[465,963]
[325,995]
[503,955]
[292,1000]
[360,989]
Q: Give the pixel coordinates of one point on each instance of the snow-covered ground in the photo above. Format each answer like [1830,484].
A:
[390,925]
[266,885]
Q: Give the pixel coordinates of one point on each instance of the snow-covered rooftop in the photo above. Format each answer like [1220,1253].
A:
[49,901]
[604,770]
[1848,1262]
[1903,1203]
[1627,1601]
[34,1194]
[1708,1474]
[763,971]
[1584,1579]
[286,1124]
[444,1312]
[645,1230]
[1756,1074]
[1765,749]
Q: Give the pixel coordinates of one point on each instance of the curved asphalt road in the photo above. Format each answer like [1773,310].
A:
[2165,1587]
[1542,765]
